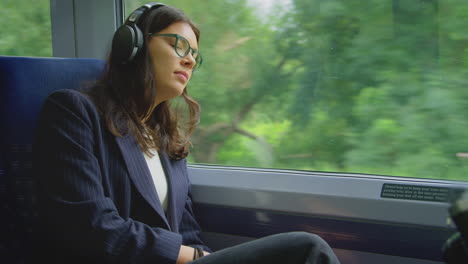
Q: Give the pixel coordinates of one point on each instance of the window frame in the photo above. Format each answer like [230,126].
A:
[84,29]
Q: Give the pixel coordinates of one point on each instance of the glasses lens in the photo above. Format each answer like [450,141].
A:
[182,47]
[198,60]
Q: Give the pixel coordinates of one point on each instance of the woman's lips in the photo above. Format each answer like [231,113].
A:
[182,75]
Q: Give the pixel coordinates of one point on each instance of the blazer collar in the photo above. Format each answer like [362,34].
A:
[139,173]
[178,187]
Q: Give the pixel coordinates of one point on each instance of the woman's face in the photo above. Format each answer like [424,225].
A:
[171,72]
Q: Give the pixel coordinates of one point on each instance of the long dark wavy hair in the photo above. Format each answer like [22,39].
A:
[125,95]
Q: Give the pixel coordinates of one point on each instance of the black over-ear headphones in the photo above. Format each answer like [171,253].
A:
[128,39]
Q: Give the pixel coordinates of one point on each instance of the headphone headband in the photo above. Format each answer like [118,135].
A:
[128,39]
[134,17]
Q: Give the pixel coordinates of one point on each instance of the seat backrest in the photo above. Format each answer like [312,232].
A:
[25,82]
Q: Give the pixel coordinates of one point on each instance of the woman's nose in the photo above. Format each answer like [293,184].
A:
[189,61]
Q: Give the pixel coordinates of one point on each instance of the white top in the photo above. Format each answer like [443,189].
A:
[159,177]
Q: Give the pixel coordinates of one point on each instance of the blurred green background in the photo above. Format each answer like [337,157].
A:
[355,86]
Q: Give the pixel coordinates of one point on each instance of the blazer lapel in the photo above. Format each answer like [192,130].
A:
[178,187]
[140,174]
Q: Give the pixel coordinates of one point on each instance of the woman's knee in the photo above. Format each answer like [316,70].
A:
[308,239]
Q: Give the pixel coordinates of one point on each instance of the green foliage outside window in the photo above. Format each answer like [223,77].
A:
[25,28]
[352,86]
[349,86]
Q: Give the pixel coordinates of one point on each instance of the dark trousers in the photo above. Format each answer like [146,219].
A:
[285,248]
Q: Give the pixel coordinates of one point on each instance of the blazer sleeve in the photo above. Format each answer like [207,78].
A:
[189,228]
[75,214]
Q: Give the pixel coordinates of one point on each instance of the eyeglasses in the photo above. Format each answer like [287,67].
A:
[182,48]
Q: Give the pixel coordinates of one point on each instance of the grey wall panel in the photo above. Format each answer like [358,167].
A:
[63,28]
[84,28]
[326,194]
[352,199]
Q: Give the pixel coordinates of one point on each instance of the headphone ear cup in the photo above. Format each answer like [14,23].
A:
[139,41]
[128,40]
[125,44]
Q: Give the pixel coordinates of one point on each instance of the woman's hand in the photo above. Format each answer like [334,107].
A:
[185,255]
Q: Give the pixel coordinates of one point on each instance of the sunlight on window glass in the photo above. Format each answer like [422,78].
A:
[371,86]
[25,28]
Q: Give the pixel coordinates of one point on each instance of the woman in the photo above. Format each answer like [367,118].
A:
[112,179]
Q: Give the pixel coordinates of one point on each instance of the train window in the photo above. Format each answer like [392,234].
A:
[375,87]
[25,28]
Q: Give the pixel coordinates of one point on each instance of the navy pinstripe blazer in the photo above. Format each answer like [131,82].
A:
[96,200]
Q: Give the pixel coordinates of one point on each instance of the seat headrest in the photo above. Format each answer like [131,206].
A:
[25,82]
